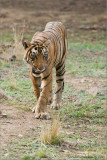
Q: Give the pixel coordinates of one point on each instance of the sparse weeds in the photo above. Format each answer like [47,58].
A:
[50,135]
[85,112]
[87,60]
[17,84]
[18,48]
[41,153]
[28,157]
[84,64]
[12,45]
[79,47]
[12,81]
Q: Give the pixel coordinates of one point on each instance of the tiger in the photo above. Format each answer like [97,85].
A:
[47,50]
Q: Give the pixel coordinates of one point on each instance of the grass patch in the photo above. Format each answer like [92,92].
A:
[92,38]
[79,47]
[84,62]
[51,134]
[16,85]
[7,37]
[85,107]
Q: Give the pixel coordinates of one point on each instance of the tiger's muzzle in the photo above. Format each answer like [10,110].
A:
[38,71]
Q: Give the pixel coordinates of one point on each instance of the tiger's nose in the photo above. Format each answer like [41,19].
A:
[40,67]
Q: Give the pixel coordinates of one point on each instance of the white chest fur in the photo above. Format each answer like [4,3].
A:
[42,84]
[36,75]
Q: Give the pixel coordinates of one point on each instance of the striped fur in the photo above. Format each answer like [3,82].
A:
[46,50]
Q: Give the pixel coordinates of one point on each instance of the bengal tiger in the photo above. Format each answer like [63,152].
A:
[46,50]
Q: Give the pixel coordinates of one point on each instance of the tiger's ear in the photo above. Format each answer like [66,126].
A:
[48,42]
[25,43]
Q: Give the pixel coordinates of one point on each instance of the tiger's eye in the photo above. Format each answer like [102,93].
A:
[34,56]
[45,56]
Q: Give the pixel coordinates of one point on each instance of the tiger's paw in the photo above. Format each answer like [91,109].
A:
[42,115]
[50,101]
[56,106]
[33,109]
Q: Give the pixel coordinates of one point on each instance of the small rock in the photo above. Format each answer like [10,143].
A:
[93,91]
[13,58]
[20,135]
[3,115]
[100,93]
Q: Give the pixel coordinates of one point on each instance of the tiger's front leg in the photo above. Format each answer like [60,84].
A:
[36,81]
[41,107]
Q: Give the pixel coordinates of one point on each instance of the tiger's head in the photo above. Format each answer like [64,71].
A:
[37,55]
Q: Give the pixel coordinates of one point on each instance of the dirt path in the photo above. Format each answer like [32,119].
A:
[18,123]
[91,84]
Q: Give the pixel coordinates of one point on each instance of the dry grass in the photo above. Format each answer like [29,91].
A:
[18,50]
[9,50]
[50,135]
[12,81]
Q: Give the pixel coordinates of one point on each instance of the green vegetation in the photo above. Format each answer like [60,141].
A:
[86,60]
[17,83]
[7,37]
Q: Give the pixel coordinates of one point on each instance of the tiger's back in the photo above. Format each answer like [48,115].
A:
[56,32]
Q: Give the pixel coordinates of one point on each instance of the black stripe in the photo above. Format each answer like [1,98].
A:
[57,54]
[33,71]
[52,29]
[60,74]
[64,47]
[42,71]
[46,67]
[59,80]
[54,36]
[39,40]
[61,70]
[60,28]
[43,37]
[60,49]
[55,39]
[63,86]
[63,50]
[58,90]
[57,68]
[46,76]
[52,33]
[47,84]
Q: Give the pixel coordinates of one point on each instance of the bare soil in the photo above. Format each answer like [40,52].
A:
[18,123]
[33,15]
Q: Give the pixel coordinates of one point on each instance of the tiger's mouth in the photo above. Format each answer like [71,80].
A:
[38,71]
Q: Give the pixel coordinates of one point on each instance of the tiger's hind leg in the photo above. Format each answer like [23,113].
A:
[57,99]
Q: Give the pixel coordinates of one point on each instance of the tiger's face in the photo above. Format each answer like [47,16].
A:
[38,57]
